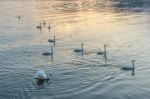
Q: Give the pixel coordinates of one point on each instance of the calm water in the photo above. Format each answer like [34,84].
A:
[124,25]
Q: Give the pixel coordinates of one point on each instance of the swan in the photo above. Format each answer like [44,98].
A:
[79,49]
[49,53]
[49,27]
[44,23]
[128,66]
[102,52]
[39,26]
[41,75]
[19,17]
[51,40]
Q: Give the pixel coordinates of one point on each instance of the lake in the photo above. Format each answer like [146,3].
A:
[123,25]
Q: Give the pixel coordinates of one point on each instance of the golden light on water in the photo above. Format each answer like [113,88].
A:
[79,19]
[123,25]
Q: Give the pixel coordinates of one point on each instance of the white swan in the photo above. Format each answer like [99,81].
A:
[19,17]
[49,53]
[44,23]
[128,66]
[79,49]
[52,40]
[49,27]
[41,75]
[102,52]
[39,26]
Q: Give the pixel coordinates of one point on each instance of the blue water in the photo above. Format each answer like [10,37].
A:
[121,24]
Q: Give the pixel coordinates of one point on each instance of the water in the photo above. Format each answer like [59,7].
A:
[121,24]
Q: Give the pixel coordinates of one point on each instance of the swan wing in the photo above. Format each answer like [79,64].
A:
[78,50]
[46,53]
[127,66]
[50,40]
[41,74]
[100,52]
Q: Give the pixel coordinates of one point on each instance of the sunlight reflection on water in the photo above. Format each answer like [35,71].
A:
[122,25]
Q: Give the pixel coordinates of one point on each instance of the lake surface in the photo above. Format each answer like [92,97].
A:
[124,25]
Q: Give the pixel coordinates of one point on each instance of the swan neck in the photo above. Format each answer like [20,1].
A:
[105,48]
[52,49]
[82,46]
[54,38]
[133,64]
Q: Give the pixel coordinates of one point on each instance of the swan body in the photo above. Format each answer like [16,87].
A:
[128,66]
[39,26]
[79,49]
[19,17]
[102,52]
[51,40]
[48,53]
[41,75]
